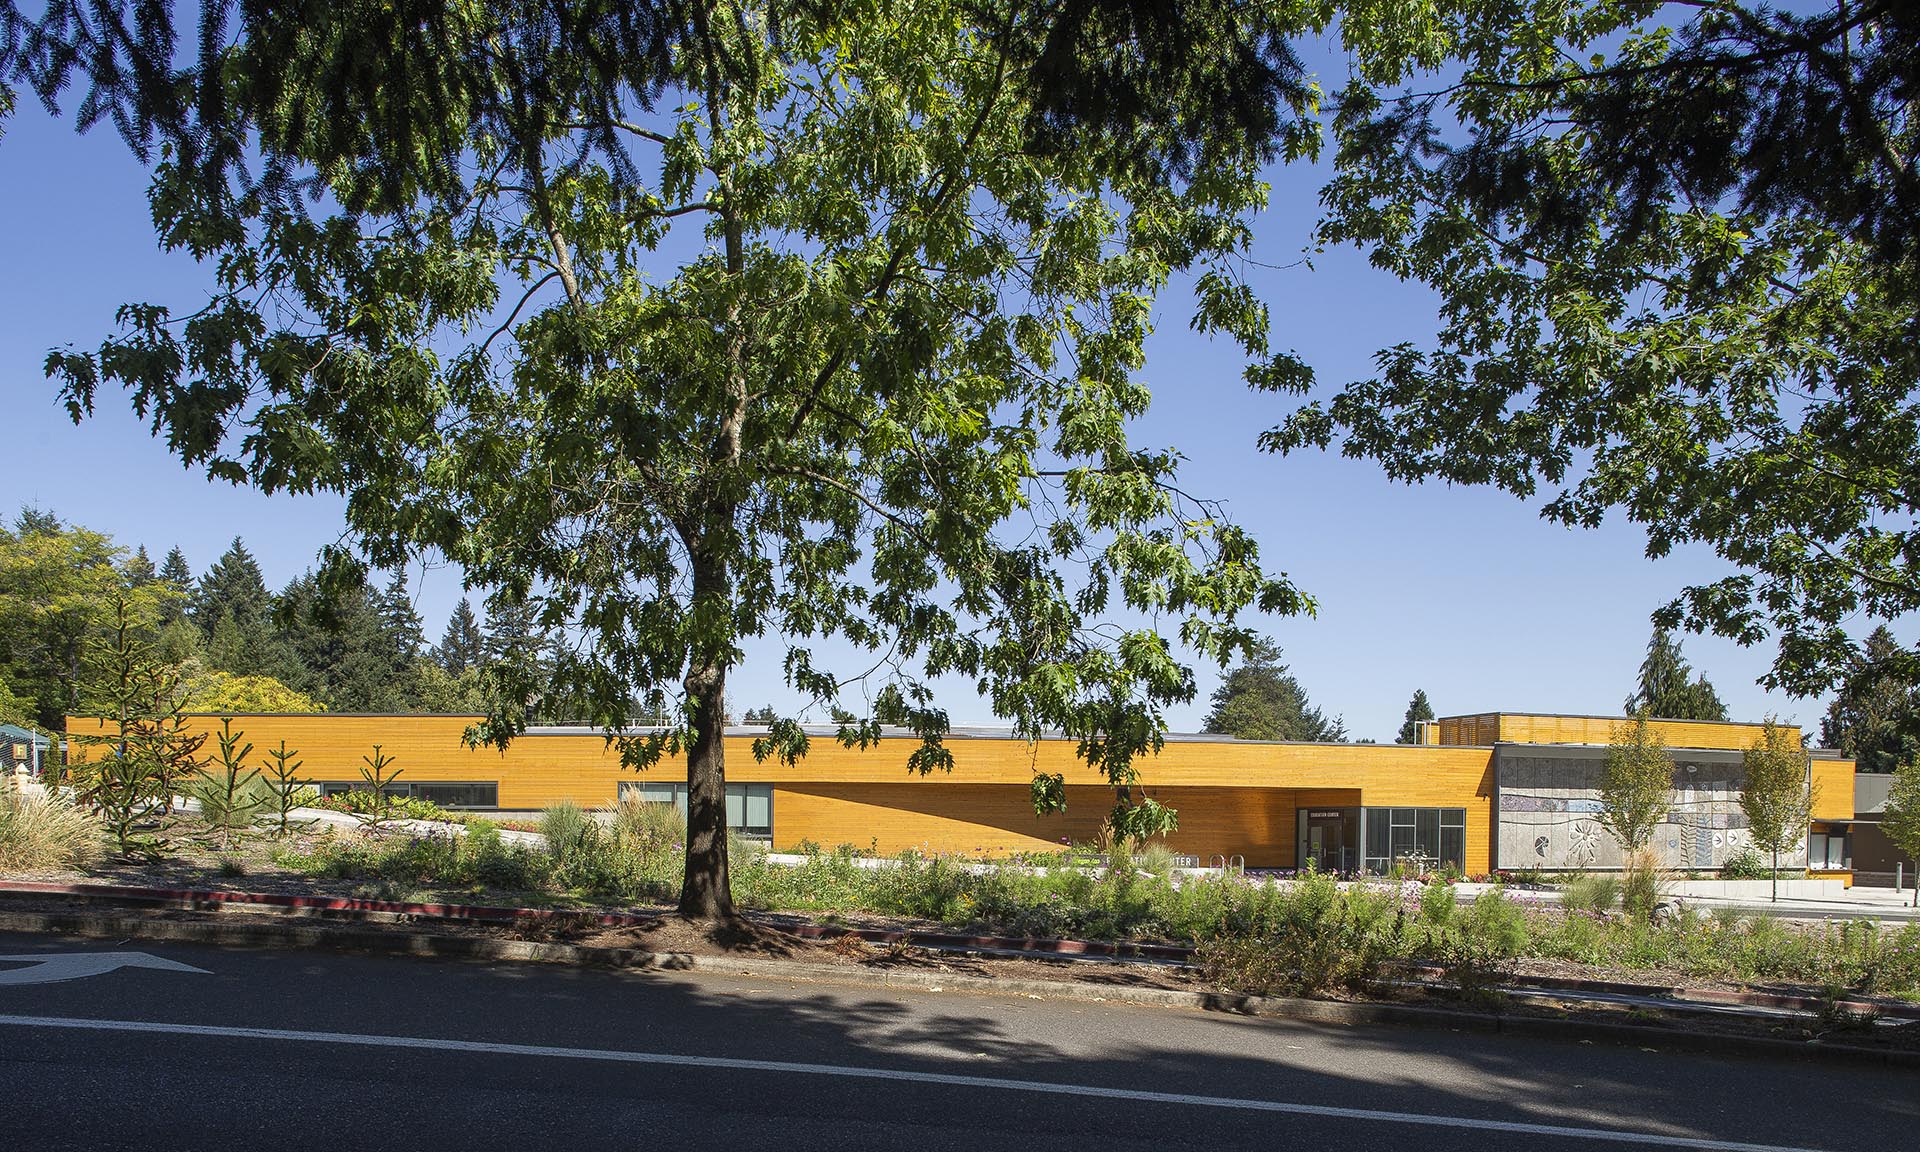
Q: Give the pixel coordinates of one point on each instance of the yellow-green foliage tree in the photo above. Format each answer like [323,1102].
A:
[1636,784]
[1635,789]
[59,585]
[1777,795]
[237,695]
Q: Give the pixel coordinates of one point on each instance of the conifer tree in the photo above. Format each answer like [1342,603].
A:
[1261,700]
[463,645]
[1665,688]
[404,631]
[282,772]
[178,579]
[1875,717]
[1419,709]
[228,793]
[140,567]
[233,585]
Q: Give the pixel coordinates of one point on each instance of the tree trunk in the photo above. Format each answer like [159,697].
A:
[706,891]
[1776,875]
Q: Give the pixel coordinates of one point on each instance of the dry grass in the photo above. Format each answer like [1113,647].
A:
[43,834]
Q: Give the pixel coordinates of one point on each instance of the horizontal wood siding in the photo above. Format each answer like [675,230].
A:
[1526,728]
[1233,797]
[1833,790]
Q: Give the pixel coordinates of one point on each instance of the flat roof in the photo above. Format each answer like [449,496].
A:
[1615,717]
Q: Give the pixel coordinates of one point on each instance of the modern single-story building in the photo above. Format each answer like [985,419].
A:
[1870,853]
[1483,792]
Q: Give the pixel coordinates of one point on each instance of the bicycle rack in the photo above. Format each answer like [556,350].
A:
[1238,864]
[1218,861]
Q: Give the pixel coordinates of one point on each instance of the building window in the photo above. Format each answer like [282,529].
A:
[749,806]
[1827,851]
[1425,837]
[449,795]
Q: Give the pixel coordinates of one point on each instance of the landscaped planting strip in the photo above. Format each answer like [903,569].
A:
[1313,1011]
[1030,946]
[348,905]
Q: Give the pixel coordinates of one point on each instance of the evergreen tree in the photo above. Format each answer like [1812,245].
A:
[178,578]
[234,610]
[140,568]
[404,631]
[1260,700]
[1665,689]
[518,651]
[1875,717]
[1418,709]
[341,640]
[463,645]
[234,584]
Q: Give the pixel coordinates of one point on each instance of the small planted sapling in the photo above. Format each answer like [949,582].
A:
[283,778]
[380,809]
[230,794]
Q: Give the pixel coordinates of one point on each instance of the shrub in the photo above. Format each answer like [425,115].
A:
[46,832]
[1591,894]
[1487,937]
[1437,904]
[1745,864]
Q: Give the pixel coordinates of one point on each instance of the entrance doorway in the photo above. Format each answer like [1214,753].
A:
[1330,838]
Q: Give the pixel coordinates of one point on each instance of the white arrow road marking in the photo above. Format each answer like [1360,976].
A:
[51,967]
[910,1076]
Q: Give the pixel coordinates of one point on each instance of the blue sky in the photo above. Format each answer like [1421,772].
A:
[1464,592]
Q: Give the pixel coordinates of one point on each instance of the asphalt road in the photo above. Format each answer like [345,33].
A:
[286,1050]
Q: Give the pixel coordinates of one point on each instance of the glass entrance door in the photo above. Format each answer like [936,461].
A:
[1330,838]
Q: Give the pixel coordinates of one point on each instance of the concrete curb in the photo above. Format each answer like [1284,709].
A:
[1332,1012]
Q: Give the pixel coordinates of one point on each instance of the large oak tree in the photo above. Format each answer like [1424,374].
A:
[690,323]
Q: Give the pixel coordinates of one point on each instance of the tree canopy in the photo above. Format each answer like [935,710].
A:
[1677,250]
[1418,709]
[1875,716]
[878,396]
[1261,700]
[1668,687]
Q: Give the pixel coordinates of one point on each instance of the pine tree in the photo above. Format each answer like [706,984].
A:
[513,630]
[463,646]
[1665,689]
[1260,700]
[1875,717]
[1417,710]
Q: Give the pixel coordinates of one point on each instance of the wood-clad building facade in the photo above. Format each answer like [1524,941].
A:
[1274,805]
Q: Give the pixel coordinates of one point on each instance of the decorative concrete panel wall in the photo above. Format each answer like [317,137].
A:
[1549,812]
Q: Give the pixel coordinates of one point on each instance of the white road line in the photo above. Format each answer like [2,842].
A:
[856,1072]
